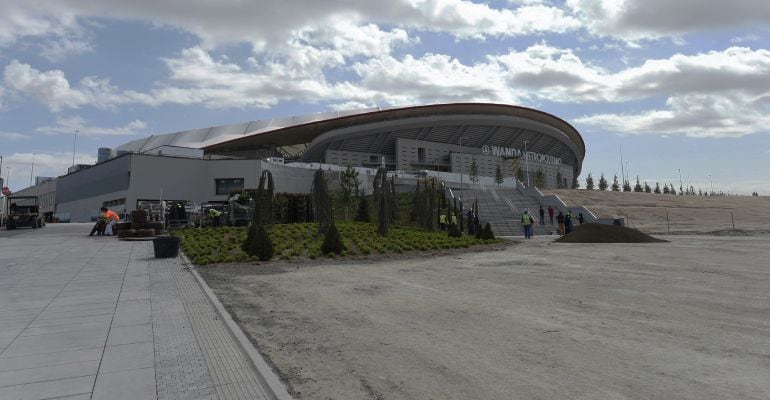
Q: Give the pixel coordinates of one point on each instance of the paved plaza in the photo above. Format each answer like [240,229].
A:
[97,318]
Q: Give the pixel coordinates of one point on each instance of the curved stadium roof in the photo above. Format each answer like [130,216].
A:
[374,130]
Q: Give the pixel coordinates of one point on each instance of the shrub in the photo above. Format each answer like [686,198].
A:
[260,245]
[454,231]
[488,235]
[333,241]
[363,209]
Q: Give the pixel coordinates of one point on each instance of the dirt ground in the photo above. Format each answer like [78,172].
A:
[537,320]
[686,214]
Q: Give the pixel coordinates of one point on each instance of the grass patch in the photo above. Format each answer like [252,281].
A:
[299,241]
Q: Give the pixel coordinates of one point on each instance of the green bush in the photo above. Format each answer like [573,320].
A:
[454,231]
[488,235]
[332,241]
[260,245]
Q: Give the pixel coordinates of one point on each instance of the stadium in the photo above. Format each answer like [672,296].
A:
[443,140]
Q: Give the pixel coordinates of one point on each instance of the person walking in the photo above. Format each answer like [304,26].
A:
[442,221]
[580,218]
[526,221]
[542,215]
[550,213]
[568,222]
[560,220]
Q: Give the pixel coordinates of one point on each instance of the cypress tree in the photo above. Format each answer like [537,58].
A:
[488,234]
[322,202]
[332,241]
[363,209]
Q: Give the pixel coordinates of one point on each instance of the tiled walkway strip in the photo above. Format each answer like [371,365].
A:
[96,318]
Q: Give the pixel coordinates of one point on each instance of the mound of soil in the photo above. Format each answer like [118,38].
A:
[600,233]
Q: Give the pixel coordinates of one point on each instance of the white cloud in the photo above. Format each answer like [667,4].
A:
[263,22]
[68,125]
[651,19]
[692,115]
[52,88]
[13,136]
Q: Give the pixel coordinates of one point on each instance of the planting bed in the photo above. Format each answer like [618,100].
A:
[296,241]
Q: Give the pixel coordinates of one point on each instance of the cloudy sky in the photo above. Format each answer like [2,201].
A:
[680,85]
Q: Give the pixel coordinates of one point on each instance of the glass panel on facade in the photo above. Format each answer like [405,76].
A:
[225,186]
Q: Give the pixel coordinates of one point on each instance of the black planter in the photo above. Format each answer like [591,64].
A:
[166,246]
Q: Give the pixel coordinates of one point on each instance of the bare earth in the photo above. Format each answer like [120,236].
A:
[689,319]
[686,214]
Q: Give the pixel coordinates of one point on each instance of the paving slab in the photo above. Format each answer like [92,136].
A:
[98,318]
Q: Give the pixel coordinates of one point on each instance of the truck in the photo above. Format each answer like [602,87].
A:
[24,211]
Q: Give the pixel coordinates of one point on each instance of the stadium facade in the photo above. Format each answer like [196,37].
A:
[205,165]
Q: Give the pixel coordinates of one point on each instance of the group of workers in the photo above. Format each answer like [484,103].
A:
[564,221]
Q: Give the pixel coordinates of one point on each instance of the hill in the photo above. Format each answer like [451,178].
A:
[686,214]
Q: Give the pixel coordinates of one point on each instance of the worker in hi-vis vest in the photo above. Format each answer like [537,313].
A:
[526,221]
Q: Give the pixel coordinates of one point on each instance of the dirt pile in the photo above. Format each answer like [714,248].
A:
[600,233]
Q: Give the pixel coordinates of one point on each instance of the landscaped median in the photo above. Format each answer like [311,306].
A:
[297,241]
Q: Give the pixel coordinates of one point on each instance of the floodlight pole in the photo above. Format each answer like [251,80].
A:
[459,150]
[712,185]
[526,160]
[74,142]
[680,181]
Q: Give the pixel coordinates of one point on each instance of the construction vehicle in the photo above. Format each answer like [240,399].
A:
[24,211]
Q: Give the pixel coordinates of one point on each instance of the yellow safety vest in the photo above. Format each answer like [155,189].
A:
[527,219]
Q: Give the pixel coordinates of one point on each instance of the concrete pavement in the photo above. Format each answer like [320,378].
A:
[97,318]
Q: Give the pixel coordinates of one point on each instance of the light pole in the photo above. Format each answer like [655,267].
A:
[459,150]
[680,181]
[526,160]
[32,170]
[74,142]
[628,175]
[712,185]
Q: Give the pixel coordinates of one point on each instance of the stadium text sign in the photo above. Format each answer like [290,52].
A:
[500,151]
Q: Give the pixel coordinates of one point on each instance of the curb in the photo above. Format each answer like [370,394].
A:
[268,378]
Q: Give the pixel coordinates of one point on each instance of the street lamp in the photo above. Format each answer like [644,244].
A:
[459,150]
[712,185]
[74,142]
[526,160]
[680,181]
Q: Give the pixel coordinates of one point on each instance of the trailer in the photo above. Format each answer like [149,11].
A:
[24,211]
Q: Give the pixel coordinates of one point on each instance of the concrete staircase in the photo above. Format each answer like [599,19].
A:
[503,207]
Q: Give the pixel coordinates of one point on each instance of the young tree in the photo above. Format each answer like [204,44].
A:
[258,243]
[382,194]
[590,182]
[474,172]
[615,185]
[603,183]
[626,186]
[575,183]
[519,172]
[322,202]
[666,189]
[657,188]
[362,215]
[638,187]
[539,178]
[647,188]
[559,180]
[498,175]
[348,188]
[332,241]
